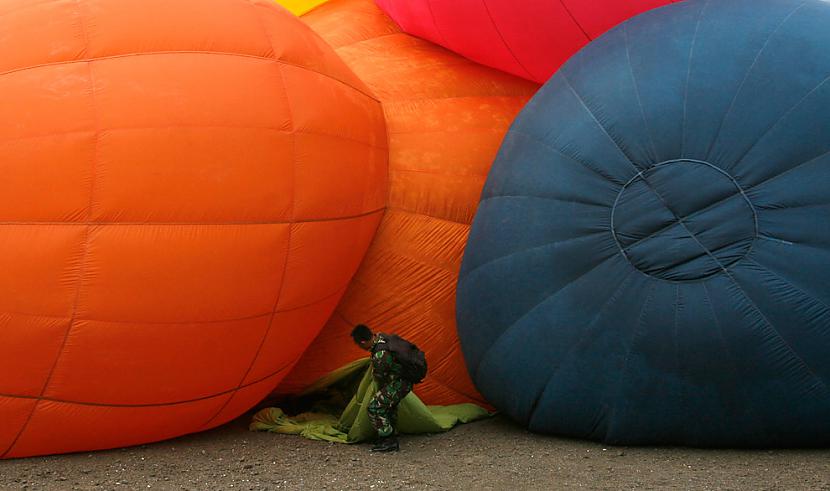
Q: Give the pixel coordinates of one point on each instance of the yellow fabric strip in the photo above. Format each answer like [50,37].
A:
[299,7]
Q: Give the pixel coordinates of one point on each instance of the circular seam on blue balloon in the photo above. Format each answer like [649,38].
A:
[641,175]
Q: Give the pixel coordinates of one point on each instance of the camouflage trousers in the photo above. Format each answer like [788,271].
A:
[383,407]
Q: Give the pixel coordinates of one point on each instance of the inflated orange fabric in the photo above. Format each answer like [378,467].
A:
[446,117]
[188,188]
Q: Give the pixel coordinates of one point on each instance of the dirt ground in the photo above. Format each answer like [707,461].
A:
[492,454]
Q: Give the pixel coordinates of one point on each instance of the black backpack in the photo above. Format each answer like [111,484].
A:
[412,360]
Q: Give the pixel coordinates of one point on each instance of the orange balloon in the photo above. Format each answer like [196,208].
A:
[445,117]
[188,188]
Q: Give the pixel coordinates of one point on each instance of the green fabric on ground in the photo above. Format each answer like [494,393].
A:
[327,396]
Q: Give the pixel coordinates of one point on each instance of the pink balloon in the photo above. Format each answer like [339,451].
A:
[528,38]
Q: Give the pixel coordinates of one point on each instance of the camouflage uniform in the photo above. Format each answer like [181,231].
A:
[392,389]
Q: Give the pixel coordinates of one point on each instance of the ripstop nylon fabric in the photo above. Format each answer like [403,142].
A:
[446,117]
[528,38]
[651,252]
[187,189]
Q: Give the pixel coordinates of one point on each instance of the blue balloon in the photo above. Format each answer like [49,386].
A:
[650,261]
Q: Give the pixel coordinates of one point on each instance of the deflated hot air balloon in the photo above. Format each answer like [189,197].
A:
[528,38]
[445,119]
[649,261]
[187,189]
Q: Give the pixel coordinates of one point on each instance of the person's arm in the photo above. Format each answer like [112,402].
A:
[382,361]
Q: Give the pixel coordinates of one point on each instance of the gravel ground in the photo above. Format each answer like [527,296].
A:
[492,454]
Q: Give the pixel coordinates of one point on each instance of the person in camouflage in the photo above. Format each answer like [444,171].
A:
[392,387]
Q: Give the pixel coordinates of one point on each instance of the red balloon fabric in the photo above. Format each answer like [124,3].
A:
[528,38]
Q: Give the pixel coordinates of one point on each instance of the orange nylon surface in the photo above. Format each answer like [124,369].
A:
[188,188]
[446,118]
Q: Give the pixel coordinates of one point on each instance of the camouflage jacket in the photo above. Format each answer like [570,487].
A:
[384,365]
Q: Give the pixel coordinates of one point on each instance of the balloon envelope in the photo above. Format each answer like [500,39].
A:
[188,188]
[445,118]
[649,259]
[528,38]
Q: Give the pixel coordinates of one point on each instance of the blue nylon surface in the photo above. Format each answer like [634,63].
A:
[650,259]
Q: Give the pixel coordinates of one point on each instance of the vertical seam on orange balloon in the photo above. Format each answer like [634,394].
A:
[504,41]
[725,347]
[314,33]
[573,347]
[85,251]
[283,370]
[608,397]
[746,77]
[601,127]
[273,55]
[688,78]
[293,137]
[654,156]
[573,18]
[262,29]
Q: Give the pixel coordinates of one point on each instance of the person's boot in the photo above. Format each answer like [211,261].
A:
[388,444]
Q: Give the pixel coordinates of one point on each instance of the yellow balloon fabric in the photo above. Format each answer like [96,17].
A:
[299,7]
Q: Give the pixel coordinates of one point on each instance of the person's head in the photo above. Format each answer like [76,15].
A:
[363,336]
